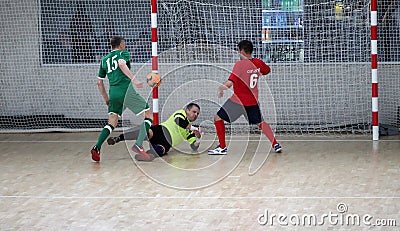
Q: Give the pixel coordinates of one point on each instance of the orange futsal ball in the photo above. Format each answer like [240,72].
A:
[153,79]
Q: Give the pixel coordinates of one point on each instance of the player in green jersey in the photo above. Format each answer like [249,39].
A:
[170,133]
[116,67]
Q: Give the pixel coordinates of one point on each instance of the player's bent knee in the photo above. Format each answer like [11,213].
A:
[113,119]
[159,149]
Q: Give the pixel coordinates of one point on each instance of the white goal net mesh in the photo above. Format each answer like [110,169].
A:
[319,53]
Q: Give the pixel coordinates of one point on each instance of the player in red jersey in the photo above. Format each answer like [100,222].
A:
[244,79]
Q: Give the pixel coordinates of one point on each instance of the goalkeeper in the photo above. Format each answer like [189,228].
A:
[170,133]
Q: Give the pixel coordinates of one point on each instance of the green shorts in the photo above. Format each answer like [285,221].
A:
[122,98]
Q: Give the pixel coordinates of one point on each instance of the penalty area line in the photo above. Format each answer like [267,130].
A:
[199,209]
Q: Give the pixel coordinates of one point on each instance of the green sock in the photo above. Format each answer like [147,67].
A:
[144,128]
[104,134]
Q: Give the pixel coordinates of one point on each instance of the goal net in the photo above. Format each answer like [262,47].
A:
[318,51]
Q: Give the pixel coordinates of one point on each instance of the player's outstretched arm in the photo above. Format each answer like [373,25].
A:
[226,85]
[124,68]
[198,134]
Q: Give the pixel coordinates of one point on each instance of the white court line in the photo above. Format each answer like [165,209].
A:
[196,197]
[219,209]
[234,176]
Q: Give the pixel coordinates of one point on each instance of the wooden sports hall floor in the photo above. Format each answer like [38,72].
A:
[49,182]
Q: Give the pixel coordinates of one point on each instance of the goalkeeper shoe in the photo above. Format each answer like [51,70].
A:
[95,153]
[141,154]
[277,148]
[113,140]
[140,157]
[218,151]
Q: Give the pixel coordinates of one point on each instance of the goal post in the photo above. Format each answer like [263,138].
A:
[154,57]
[374,70]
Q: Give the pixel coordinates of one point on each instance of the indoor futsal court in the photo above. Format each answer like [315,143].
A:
[49,182]
[322,77]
